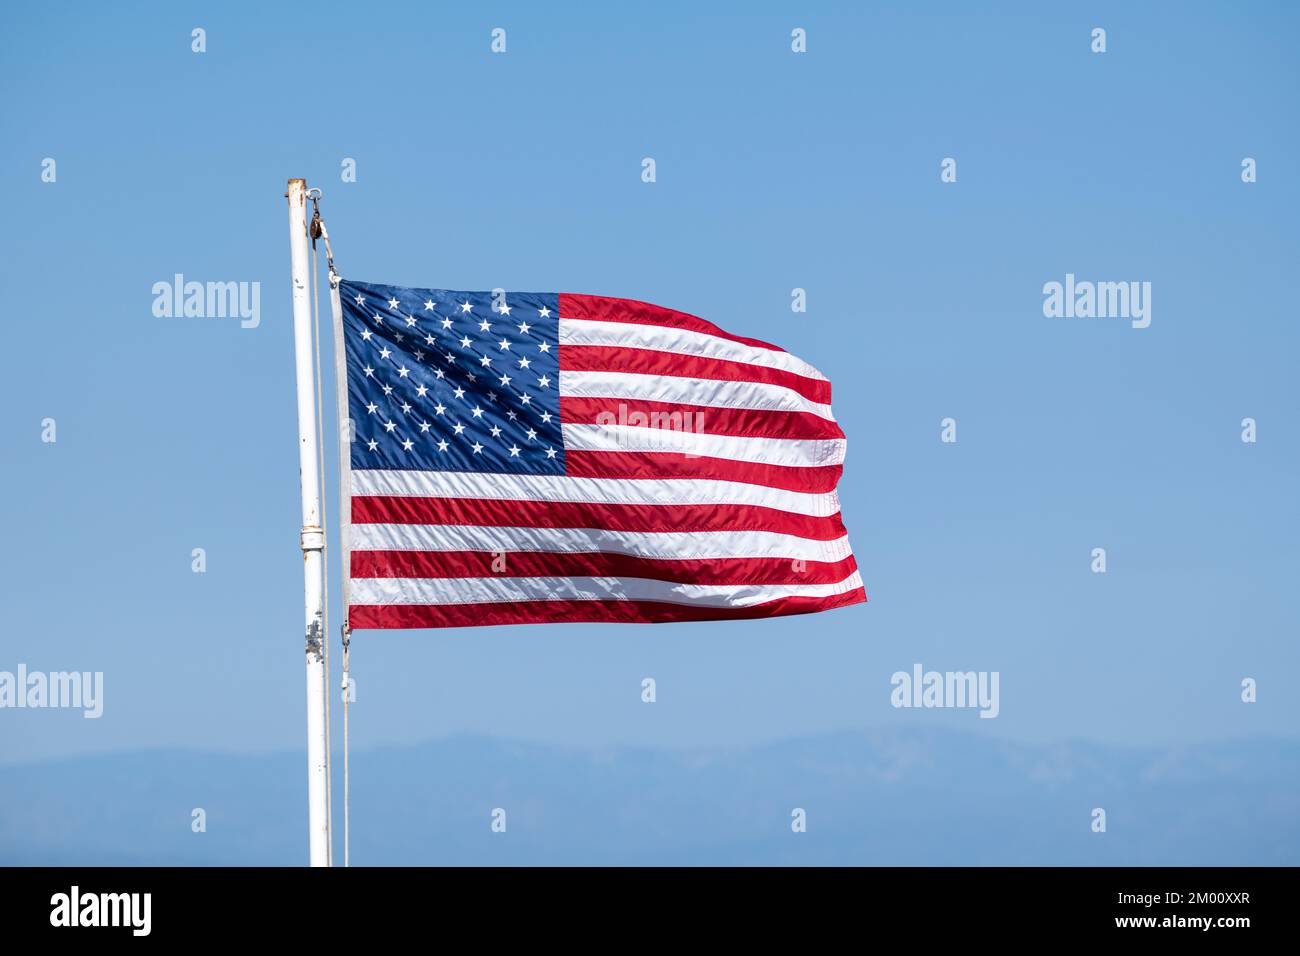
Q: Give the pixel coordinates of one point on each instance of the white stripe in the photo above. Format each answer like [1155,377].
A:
[395,591]
[795,452]
[712,393]
[665,545]
[663,338]
[612,491]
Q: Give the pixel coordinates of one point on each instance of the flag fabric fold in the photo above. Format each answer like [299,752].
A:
[545,457]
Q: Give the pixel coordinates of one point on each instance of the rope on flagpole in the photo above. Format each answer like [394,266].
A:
[347,691]
[318,230]
[314,195]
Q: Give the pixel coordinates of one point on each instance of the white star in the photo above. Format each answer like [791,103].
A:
[503,345]
[477,448]
[428,305]
[459,428]
[544,347]
[512,414]
[442,445]
[496,431]
[421,390]
[464,342]
[525,398]
[505,379]
[392,303]
[372,444]
[406,409]
[524,327]
[505,309]
[424,426]
[546,418]
[407,444]
[372,408]
[389,426]
[410,320]
[531,434]
[466,307]
[460,392]
[446,323]
[370,372]
[514,451]
[361,299]
[450,358]
[550,453]
[484,325]
[478,412]
[544,313]
[429,340]
[485,361]
[419,355]
[365,335]
[439,373]
[403,372]
[384,352]
[388,390]
[439,408]
[523,363]
[379,319]
[544,381]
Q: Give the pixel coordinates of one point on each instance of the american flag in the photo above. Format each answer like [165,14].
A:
[531,457]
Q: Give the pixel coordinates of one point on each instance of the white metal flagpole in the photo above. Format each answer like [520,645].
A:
[312,536]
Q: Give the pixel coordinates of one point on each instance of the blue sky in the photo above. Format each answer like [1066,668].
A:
[774,171]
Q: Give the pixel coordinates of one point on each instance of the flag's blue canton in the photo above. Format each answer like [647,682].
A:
[453,381]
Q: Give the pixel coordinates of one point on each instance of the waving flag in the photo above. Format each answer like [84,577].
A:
[532,457]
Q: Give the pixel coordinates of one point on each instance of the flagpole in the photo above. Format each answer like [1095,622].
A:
[312,539]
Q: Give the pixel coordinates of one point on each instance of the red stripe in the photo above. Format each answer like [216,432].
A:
[398,509]
[741,422]
[602,309]
[538,564]
[569,612]
[663,464]
[614,358]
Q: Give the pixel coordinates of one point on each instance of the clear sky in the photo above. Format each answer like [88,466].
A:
[775,171]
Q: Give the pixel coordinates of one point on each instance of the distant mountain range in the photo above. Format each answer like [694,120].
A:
[899,797]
